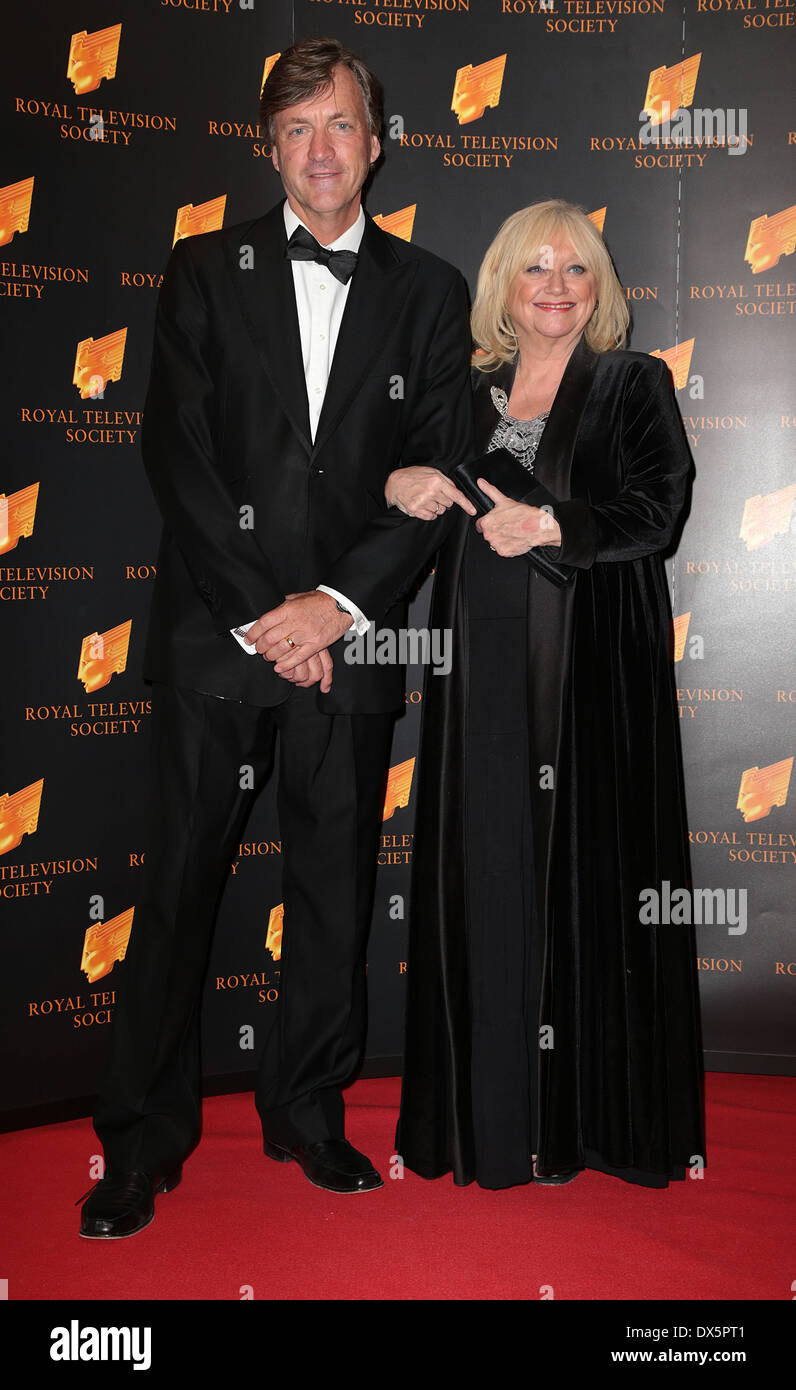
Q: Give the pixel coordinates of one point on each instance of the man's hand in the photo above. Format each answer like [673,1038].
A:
[312,621]
[317,670]
[424,492]
[513,528]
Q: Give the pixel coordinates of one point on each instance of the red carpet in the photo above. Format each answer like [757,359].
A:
[238,1219]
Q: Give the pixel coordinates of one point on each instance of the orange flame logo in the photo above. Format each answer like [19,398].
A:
[400,223]
[92,57]
[399,787]
[17,516]
[98,361]
[476,88]
[19,815]
[678,360]
[273,939]
[765,517]
[769,238]
[269,63]
[104,944]
[15,201]
[102,655]
[679,634]
[668,89]
[205,217]
[763,788]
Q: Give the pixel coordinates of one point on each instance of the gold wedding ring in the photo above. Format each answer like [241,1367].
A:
[290,641]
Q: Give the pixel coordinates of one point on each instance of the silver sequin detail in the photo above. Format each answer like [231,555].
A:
[520,437]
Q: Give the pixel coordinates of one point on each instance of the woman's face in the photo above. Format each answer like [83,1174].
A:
[554,296]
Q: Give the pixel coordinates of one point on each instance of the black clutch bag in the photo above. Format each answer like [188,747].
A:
[505,472]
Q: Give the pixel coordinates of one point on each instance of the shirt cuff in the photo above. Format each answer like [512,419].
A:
[238,634]
[361,623]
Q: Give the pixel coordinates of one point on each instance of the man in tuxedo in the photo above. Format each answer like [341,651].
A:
[298,359]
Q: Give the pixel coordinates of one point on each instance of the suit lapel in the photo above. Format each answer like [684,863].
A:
[378,289]
[484,414]
[553,462]
[268,304]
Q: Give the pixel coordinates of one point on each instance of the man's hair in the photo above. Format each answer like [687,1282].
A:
[307,69]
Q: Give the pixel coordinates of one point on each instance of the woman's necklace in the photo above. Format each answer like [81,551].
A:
[520,437]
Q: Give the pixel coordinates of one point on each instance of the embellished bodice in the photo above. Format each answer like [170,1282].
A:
[520,437]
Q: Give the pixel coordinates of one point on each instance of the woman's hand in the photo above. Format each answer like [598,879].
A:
[512,528]
[424,492]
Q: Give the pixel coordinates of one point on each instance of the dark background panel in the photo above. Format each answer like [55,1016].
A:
[677,228]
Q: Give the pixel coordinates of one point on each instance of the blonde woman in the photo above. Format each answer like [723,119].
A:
[550,1026]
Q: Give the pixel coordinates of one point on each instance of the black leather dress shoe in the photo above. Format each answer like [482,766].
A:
[333,1164]
[555,1179]
[123,1203]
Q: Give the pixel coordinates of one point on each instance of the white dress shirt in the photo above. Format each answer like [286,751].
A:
[320,301]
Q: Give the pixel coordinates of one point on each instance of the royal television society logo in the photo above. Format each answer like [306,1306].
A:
[15,201]
[92,58]
[19,815]
[399,788]
[763,788]
[672,135]
[671,89]
[17,516]
[477,88]
[770,238]
[97,362]
[678,360]
[91,61]
[105,944]
[268,67]
[581,16]
[103,655]
[273,936]
[21,279]
[395,847]
[400,223]
[679,635]
[204,217]
[766,516]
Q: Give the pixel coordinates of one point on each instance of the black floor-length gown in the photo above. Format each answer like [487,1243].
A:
[525,900]
[503,931]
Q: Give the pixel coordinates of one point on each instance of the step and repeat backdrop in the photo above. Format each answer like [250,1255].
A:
[127,125]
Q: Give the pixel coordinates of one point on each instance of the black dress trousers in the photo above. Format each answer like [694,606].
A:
[332,771]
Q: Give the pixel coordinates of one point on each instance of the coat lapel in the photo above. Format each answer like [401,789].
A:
[484,413]
[378,290]
[554,456]
[268,304]
[553,463]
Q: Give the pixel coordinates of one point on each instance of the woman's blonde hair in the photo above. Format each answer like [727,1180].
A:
[516,246]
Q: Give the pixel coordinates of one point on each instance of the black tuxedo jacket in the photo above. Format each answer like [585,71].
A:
[252,508]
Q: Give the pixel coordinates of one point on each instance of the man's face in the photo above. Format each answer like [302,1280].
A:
[323,150]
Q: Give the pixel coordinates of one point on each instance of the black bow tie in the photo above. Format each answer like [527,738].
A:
[303,247]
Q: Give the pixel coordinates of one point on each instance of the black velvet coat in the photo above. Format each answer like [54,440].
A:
[620,1090]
